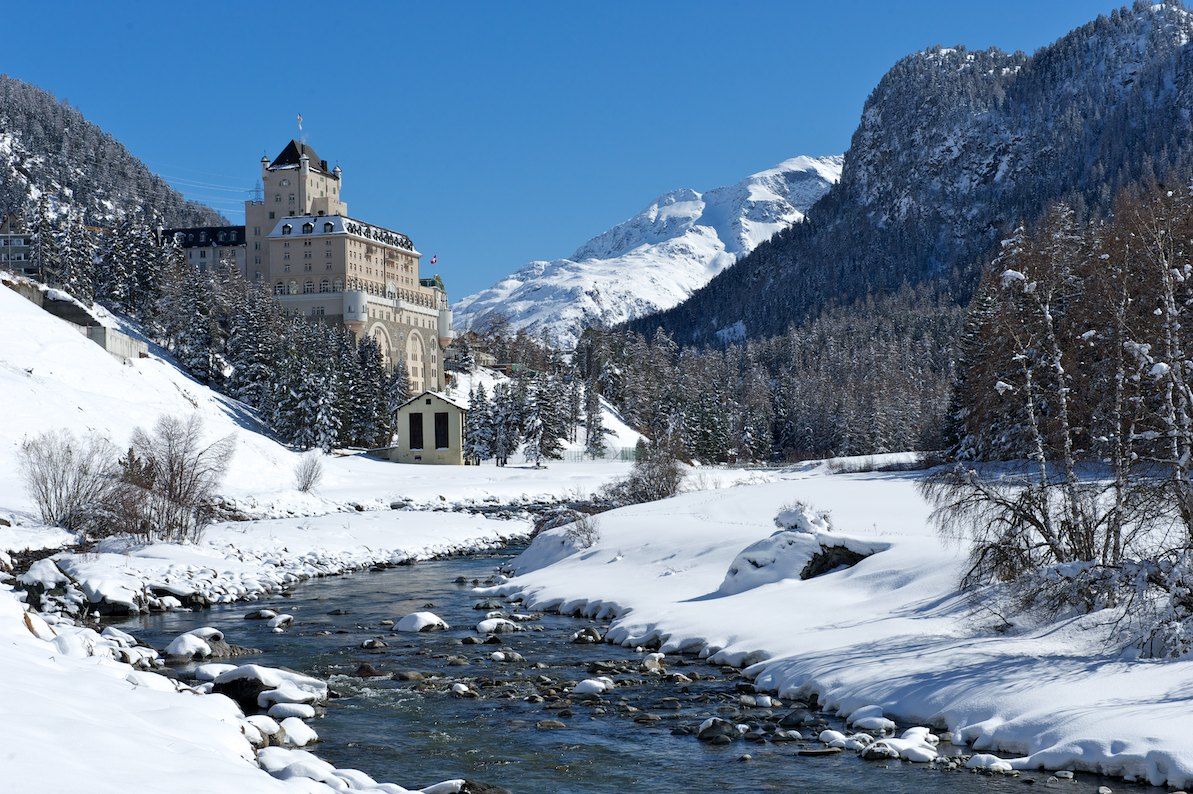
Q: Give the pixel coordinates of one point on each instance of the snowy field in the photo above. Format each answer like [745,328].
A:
[892,631]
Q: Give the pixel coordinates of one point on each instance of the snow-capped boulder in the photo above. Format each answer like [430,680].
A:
[421,621]
[187,647]
[254,686]
[281,711]
[296,733]
[805,547]
[497,626]
[593,686]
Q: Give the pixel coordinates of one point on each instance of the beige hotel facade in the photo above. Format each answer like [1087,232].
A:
[319,261]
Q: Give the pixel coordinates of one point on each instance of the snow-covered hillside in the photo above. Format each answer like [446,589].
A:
[655,259]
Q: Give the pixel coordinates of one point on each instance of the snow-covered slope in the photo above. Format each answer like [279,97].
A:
[655,259]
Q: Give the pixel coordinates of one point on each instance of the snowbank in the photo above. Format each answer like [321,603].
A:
[892,631]
[248,559]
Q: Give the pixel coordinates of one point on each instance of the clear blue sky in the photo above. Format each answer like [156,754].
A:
[493,133]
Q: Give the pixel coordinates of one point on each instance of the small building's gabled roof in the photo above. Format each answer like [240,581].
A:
[291,157]
[438,394]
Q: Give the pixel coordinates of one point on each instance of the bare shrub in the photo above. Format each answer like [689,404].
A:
[309,472]
[657,474]
[68,478]
[168,481]
[584,532]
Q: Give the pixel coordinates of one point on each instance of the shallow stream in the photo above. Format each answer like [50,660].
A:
[416,733]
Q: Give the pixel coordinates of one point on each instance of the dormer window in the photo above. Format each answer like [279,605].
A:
[327,227]
[308,227]
[287,228]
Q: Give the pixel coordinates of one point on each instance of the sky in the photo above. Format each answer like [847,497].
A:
[493,133]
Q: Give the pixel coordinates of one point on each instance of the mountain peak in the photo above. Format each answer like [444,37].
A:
[656,258]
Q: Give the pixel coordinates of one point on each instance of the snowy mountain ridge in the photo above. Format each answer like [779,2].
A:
[655,259]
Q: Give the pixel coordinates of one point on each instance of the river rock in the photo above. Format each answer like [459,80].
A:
[408,675]
[797,718]
[550,725]
[261,614]
[366,670]
[586,636]
[374,644]
[717,730]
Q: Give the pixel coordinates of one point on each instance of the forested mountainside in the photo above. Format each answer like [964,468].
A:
[653,260]
[47,148]
[954,148]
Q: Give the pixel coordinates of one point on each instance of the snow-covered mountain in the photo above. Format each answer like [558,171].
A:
[655,259]
[48,149]
[954,147]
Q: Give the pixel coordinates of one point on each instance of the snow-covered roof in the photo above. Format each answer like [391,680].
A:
[450,401]
[341,225]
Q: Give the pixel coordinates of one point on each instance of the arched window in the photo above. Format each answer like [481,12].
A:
[327,227]
[287,228]
[308,287]
[308,227]
[339,285]
[279,288]
[293,287]
[325,286]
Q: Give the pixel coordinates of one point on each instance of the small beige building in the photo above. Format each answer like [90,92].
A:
[430,430]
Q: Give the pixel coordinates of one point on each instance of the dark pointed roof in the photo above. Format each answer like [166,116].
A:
[293,153]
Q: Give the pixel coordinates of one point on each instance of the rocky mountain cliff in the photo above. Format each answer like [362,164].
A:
[655,259]
[955,147]
[48,148]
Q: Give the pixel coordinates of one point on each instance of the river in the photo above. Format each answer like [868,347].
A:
[416,734]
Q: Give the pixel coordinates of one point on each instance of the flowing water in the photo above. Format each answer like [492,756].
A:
[416,734]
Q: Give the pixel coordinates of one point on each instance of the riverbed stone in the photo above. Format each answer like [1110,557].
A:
[550,725]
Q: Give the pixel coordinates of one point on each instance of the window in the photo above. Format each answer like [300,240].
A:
[308,287]
[203,254]
[277,198]
[287,228]
[441,430]
[271,216]
[308,227]
[291,197]
[325,286]
[293,287]
[257,245]
[257,231]
[256,260]
[279,288]
[327,227]
[339,285]
[416,431]
[318,311]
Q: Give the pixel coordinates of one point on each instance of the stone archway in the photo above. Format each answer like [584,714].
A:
[381,335]
[415,361]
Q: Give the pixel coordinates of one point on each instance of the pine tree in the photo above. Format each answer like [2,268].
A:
[594,427]
[478,430]
[45,245]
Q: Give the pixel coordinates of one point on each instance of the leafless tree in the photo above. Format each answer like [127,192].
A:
[68,478]
[169,480]
[309,472]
